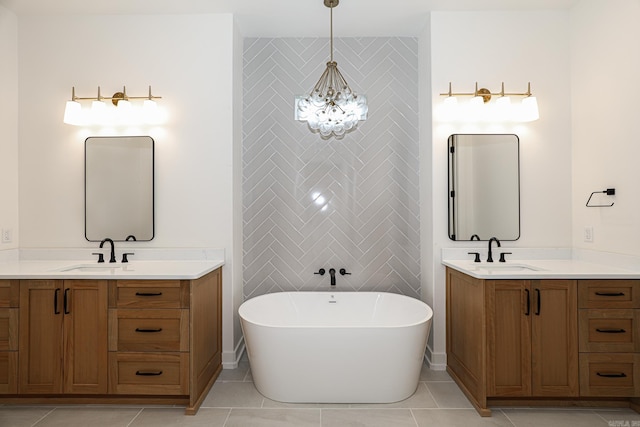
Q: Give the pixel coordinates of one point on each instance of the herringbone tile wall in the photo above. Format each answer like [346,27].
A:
[310,203]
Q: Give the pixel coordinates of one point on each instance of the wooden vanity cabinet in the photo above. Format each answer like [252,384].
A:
[512,338]
[110,341]
[532,342]
[165,337]
[9,303]
[63,337]
[609,318]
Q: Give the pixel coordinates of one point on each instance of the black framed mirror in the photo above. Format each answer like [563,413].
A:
[484,186]
[119,188]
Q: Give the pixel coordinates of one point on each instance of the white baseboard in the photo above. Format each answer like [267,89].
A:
[230,359]
[435,361]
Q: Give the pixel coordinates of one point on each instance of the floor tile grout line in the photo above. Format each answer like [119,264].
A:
[226,420]
[415,420]
[44,416]
[135,417]
[505,415]
[432,396]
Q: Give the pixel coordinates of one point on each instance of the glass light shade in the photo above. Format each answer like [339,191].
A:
[475,109]
[98,112]
[451,100]
[124,113]
[73,113]
[332,108]
[124,105]
[503,110]
[150,111]
[449,109]
[530,111]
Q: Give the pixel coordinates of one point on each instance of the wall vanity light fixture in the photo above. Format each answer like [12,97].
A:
[121,112]
[480,108]
[332,108]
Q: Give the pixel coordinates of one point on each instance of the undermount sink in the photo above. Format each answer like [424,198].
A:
[506,267]
[92,268]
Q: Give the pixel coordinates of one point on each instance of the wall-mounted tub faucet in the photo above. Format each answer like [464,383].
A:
[493,239]
[113,249]
[332,273]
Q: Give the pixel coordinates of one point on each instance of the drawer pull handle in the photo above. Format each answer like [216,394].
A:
[620,375]
[148,373]
[148,294]
[610,294]
[65,301]
[611,331]
[55,301]
[148,330]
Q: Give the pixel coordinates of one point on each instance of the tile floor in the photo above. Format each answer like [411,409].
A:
[234,402]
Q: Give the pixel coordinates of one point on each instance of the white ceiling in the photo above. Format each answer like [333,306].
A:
[291,18]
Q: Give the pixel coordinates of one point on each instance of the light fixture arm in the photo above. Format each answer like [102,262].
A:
[116,96]
[487,94]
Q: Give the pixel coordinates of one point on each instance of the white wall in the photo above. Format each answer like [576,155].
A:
[189,61]
[605,85]
[9,126]
[514,48]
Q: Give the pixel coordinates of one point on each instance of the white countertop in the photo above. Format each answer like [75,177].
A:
[541,269]
[83,269]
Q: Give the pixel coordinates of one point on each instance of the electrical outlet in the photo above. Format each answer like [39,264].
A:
[588,234]
[7,235]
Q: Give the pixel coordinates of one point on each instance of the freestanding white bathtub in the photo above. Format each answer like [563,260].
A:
[342,347]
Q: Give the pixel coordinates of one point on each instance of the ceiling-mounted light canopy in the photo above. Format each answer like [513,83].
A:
[332,108]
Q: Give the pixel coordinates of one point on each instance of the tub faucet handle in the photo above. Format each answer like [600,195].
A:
[320,272]
[343,272]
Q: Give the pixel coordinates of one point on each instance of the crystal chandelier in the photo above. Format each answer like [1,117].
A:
[332,108]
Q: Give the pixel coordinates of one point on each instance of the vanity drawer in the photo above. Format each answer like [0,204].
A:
[614,331]
[149,330]
[610,375]
[609,294]
[9,293]
[149,294]
[8,329]
[149,373]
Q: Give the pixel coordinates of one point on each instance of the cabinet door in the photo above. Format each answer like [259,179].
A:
[9,350]
[554,338]
[40,341]
[85,336]
[508,338]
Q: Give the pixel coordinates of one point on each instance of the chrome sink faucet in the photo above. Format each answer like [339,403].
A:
[113,249]
[490,256]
